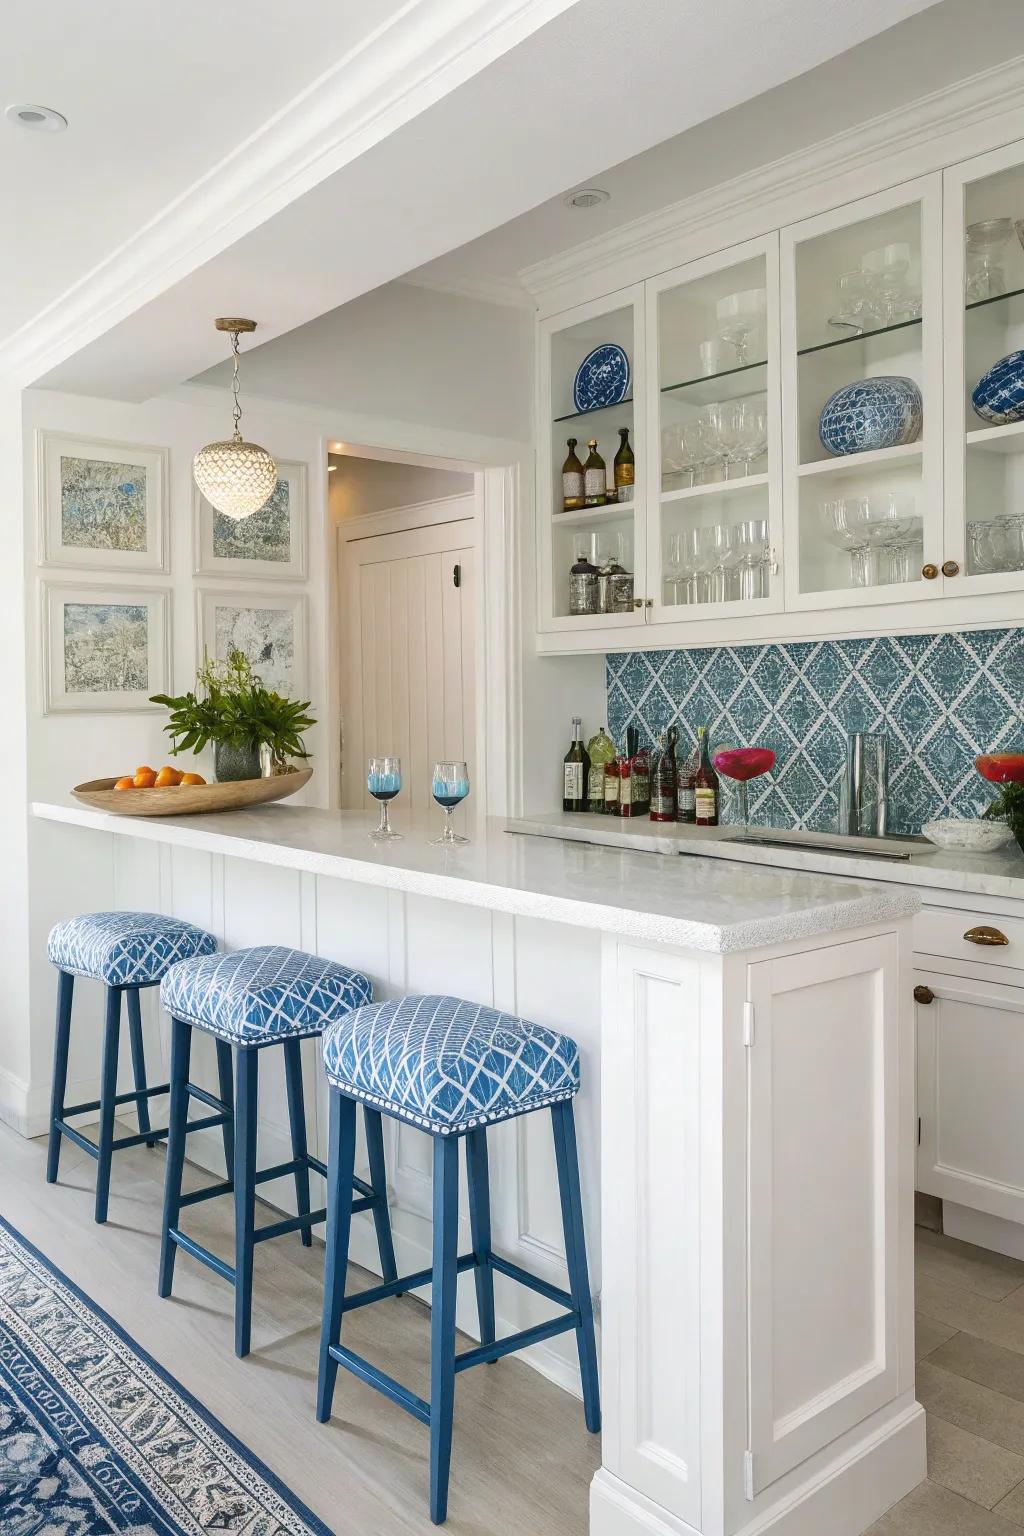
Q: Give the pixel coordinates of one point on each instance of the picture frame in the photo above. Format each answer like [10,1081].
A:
[102,505]
[90,634]
[258,624]
[256,546]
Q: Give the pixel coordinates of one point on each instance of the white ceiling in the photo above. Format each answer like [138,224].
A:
[155,94]
[923,54]
[511,136]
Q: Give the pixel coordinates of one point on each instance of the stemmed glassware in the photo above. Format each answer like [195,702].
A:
[739,315]
[753,433]
[986,242]
[449,788]
[886,269]
[854,309]
[384,780]
[742,764]
[844,529]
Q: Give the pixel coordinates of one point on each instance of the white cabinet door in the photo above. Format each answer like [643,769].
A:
[824,1247]
[970,1066]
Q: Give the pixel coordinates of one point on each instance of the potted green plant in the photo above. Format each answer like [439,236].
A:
[254,731]
[1007,770]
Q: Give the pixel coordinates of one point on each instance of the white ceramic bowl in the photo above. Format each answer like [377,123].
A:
[967,836]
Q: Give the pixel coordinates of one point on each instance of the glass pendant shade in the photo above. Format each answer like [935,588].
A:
[236,477]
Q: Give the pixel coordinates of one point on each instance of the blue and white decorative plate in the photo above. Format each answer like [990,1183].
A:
[998,396]
[872,413]
[602,378]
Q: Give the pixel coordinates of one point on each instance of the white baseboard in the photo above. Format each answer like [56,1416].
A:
[985,1231]
[844,1498]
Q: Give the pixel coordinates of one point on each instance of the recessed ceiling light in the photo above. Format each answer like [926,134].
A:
[586,197]
[39,119]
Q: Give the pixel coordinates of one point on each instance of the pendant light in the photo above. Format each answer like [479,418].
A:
[236,477]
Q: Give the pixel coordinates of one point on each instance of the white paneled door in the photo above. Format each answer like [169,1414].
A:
[408,668]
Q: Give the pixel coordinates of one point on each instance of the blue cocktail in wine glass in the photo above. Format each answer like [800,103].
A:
[449,788]
[384,780]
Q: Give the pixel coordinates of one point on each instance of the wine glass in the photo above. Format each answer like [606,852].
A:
[673,461]
[986,242]
[384,780]
[843,529]
[742,764]
[738,316]
[753,433]
[449,788]
[752,541]
[727,424]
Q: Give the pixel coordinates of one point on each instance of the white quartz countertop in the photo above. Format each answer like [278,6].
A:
[980,874]
[693,903]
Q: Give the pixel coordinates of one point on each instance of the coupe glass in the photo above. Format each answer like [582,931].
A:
[887,520]
[384,780]
[743,764]
[898,561]
[844,529]
[986,242]
[886,270]
[449,788]
[739,315]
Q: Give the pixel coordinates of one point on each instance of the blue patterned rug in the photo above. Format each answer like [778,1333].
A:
[96,1438]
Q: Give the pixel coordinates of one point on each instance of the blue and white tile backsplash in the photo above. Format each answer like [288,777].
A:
[941,698]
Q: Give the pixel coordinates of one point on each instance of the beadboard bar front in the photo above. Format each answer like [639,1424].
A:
[745,1129]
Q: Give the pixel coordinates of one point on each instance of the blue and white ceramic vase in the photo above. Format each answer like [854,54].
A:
[998,396]
[872,413]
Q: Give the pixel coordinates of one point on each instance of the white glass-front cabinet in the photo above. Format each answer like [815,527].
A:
[714,437]
[984,284]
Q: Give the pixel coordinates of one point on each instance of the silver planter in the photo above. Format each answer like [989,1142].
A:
[231,763]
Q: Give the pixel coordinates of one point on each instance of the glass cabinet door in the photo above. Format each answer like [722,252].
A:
[591,513]
[984,266]
[862,391]
[715,435]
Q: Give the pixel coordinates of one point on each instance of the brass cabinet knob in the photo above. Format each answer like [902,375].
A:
[929,572]
[923,995]
[950,568]
[648,602]
[638,602]
[986,935]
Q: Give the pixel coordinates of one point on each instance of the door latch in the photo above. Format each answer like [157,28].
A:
[456,575]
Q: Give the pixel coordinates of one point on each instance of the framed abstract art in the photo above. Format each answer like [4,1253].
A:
[104,649]
[102,505]
[269,629]
[270,544]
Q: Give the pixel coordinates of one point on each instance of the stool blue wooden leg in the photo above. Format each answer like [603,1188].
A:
[341,1162]
[225,1083]
[297,1121]
[61,1042]
[108,1090]
[567,1159]
[442,1320]
[379,1179]
[138,1058]
[246,1085]
[177,1118]
[480,1226]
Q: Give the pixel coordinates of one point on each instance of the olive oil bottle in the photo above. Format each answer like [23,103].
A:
[572,480]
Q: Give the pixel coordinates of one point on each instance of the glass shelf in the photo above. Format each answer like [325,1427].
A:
[997,298]
[708,388]
[594,410]
[845,341]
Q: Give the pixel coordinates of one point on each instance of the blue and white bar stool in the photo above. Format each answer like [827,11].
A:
[126,951]
[251,1000]
[452,1068]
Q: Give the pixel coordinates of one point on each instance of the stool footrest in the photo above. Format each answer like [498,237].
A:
[131,1096]
[522,1340]
[188,1245]
[211,1192]
[401,1285]
[209,1099]
[382,1381]
[532,1282]
[289,1224]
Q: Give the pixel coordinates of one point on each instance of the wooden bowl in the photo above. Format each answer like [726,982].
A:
[189,799]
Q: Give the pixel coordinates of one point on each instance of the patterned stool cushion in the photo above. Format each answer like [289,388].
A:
[125,949]
[268,993]
[448,1065]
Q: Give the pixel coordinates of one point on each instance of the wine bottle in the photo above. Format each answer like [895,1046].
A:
[663,781]
[575,771]
[624,466]
[595,489]
[706,785]
[686,788]
[600,751]
[572,480]
[612,785]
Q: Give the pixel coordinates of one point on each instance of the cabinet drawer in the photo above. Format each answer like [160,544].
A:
[937,932]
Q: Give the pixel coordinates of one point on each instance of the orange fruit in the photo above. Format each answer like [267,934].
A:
[125,783]
[144,778]
[145,768]
[167,777]
[192,778]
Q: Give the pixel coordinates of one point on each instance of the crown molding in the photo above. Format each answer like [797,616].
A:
[507,293]
[414,59]
[924,126]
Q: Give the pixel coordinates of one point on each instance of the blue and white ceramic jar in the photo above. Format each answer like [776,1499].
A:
[998,396]
[872,413]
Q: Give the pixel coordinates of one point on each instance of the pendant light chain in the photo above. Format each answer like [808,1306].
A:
[237,409]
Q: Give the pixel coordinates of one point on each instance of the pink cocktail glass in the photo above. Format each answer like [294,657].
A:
[744,764]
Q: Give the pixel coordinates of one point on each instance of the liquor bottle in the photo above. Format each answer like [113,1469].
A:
[706,785]
[634,777]
[663,781]
[612,785]
[595,488]
[583,585]
[575,771]
[572,480]
[686,779]
[600,751]
[624,465]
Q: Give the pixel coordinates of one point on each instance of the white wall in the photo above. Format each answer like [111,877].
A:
[358,486]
